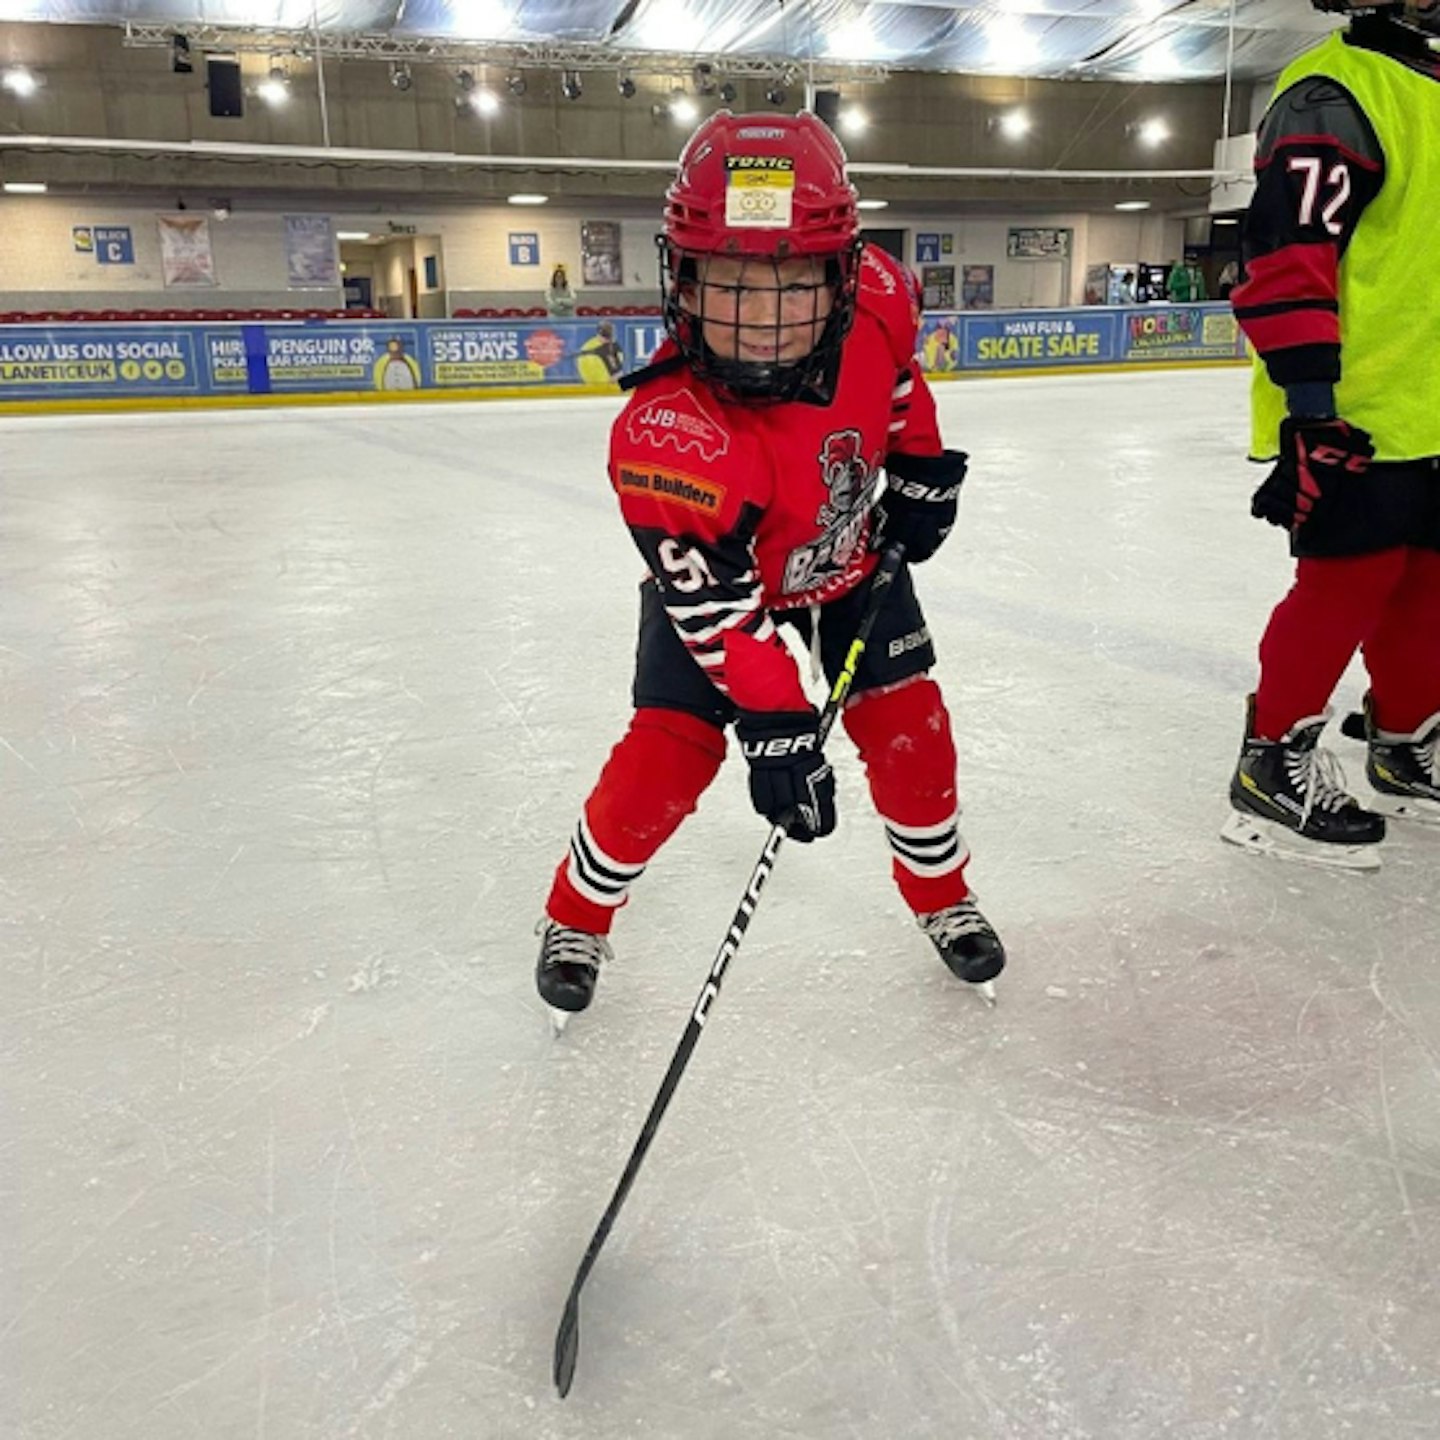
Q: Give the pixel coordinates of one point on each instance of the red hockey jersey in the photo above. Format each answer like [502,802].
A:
[744,510]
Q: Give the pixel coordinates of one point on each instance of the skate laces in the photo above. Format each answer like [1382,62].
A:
[1427,752]
[562,945]
[942,926]
[1319,773]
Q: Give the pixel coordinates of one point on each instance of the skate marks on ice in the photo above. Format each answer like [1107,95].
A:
[1212,1205]
[325,1209]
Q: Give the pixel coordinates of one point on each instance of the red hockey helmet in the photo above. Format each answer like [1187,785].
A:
[761,188]
[1421,15]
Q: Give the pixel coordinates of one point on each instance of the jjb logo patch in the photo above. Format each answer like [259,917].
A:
[677,418]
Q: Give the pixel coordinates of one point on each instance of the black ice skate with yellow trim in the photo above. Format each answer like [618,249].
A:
[1290,802]
[1403,770]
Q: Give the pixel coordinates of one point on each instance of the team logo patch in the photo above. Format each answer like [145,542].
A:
[678,419]
[844,471]
[694,492]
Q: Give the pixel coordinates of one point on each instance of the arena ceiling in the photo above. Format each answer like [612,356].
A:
[1053,39]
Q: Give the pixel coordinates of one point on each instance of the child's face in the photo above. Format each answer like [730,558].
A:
[763,311]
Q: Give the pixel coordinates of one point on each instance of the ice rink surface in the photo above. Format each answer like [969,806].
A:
[297,708]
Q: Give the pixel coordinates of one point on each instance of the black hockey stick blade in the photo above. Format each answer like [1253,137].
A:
[567,1344]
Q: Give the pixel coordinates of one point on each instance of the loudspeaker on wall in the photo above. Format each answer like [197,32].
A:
[827,106]
[227,100]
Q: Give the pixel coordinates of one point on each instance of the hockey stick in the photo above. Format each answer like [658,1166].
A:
[567,1338]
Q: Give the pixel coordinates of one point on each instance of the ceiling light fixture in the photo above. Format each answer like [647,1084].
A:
[528,199]
[515,84]
[25,187]
[1132,204]
[400,76]
[1014,124]
[871,204]
[854,121]
[274,89]
[20,81]
[485,102]
[571,86]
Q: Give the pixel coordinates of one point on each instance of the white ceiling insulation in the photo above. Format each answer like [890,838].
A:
[1055,39]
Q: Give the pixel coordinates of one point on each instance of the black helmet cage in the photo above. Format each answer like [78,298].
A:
[811,378]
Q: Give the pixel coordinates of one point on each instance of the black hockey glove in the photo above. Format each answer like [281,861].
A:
[1315,457]
[791,783]
[922,494]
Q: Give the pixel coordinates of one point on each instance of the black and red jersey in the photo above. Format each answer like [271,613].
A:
[1318,166]
[743,510]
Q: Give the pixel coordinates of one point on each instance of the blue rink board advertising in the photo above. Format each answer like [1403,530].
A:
[1048,338]
[65,362]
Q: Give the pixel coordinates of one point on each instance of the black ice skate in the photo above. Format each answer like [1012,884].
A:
[1290,802]
[567,969]
[967,944]
[1404,770]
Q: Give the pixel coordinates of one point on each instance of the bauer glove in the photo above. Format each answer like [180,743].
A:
[922,494]
[791,783]
[1315,458]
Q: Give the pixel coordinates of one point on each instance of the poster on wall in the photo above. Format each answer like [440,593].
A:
[977,287]
[600,262]
[186,259]
[1037,242]
[937,284]
[311,260]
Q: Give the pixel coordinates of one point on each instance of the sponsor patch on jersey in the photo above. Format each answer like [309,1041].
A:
[677,418]
[760,132]
[759,191]
[694,492]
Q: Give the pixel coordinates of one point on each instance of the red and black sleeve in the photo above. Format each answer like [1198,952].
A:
[1318,164]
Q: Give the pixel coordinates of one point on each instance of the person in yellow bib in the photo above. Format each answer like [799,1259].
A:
[1340,298]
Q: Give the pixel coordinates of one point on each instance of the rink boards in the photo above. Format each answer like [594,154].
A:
[69,364]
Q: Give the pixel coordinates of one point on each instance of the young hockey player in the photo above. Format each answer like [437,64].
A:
[1341,301]
[747,465]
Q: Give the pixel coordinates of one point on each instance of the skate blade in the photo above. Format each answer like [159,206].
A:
[559,1019]
[985,993]
[1264,837]
[1400,807]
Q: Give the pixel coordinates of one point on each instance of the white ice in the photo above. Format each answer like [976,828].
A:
[296,712]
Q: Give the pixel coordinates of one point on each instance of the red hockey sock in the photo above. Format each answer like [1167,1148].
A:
[1402,654]
[1332,609]
[653,779]
[903,735]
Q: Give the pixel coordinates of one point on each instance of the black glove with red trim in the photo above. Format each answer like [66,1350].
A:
[1315,457]
[918,508]
[791,783]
